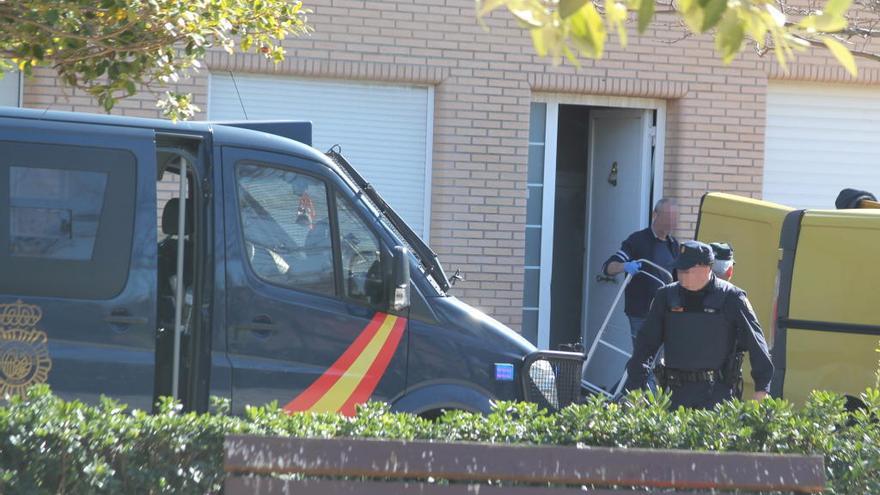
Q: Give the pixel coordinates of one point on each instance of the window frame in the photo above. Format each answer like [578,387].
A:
[331,212]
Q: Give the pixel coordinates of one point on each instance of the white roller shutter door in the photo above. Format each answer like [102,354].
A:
[820,138]
[384,130]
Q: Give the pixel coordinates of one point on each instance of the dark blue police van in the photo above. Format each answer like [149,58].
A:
[141,258]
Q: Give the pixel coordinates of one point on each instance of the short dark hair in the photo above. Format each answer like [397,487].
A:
[663,202]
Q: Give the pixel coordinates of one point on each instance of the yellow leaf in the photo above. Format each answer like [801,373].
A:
[531,12]
[588,31]
[778,50]
[842,54]
[828,23]
[756,28]
[692,14]
[539,40]
[837,7]
[487,6]
[825,23]
[777,16]
[569,7]
[616,15]
[730,35]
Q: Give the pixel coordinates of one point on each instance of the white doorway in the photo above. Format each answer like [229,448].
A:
[604,192]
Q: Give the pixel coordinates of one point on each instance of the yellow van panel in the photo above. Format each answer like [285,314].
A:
[843,363]
[752,227]
[835,280]
[837,256]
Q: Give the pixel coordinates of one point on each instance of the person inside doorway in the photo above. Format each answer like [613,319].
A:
[655,244]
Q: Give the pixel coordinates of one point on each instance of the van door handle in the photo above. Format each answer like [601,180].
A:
[261,325]
[123,317]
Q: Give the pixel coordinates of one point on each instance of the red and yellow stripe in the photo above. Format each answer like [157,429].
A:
[354,376]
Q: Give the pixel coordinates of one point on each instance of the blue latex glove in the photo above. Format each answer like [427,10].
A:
[631,267]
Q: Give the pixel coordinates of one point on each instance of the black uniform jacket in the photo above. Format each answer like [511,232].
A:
[736,309]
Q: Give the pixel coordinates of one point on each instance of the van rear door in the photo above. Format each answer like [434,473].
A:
[829,323]
[78,259]
[752,227]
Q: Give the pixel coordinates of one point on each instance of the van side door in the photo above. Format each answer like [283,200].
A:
[78,259]
[306,322]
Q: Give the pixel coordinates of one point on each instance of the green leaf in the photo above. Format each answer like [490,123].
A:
[646,13]
[569,7]
[588,31]
[730,35]
[842,54]
[712,12]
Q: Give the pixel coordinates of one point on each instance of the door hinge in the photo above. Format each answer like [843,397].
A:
[653,133]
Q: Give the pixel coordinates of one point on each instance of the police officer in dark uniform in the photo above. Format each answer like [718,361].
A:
[702,321]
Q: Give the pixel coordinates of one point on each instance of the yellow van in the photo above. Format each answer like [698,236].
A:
[811,276]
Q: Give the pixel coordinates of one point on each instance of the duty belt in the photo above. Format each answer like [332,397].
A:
[691,376]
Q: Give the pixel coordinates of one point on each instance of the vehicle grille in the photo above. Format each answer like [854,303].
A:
[552,379]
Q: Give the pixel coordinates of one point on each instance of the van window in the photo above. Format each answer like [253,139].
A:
[67,220]
[54,213]
[285,221]
[361,258]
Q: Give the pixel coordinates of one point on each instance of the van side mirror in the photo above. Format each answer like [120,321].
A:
[399,289]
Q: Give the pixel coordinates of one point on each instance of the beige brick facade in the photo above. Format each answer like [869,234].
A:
[484,81]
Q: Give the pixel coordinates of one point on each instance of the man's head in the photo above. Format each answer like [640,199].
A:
[724,262]
[694,265]
[665,216]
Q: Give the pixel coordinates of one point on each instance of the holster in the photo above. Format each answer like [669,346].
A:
[731,373]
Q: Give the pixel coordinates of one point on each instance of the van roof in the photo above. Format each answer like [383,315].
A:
[221,134]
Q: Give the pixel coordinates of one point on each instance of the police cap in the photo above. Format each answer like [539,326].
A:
[693,253]
[722,250]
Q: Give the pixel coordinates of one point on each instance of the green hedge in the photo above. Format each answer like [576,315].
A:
[48,445]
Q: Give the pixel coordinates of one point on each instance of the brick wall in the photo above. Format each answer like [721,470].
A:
[484,81]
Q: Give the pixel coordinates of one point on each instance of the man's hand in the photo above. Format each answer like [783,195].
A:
[760,395]
[632,267]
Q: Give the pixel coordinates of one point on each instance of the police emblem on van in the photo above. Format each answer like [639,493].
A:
[24,353]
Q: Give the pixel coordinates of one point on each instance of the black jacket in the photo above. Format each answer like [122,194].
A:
[737,310]
[641,289]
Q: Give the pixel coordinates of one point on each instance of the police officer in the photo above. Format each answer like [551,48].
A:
[701,320]
[723,266]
